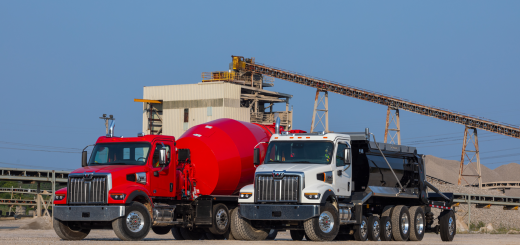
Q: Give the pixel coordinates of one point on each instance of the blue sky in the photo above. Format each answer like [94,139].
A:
[65,63]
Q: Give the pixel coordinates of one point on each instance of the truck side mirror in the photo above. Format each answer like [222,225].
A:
[184,155]
[256,157]
[347,157]
[84,159]
[162,157]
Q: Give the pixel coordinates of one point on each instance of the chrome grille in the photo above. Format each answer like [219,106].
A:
[269,189]
[81,191]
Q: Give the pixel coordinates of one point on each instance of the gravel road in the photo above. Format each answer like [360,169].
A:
[11,234]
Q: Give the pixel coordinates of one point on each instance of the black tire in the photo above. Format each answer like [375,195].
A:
[400,223]
[307,237]
[229,236]
[385,234]
[161,230]
[192,235]
[245,231]
[417,225]
[325,227]
[387,210]
[135,225]
[232,227]
[221,219]
[361,230]
[297,235]
[374,228]
[68,231]
[272,235]
[448,225]
[176,233]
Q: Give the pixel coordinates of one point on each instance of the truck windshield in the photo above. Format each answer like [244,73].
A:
[316,152]
[119,154]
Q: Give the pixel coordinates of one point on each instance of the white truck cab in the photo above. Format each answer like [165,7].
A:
[302,169]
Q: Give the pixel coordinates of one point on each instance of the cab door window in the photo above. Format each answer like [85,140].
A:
[156,155]
[340,155]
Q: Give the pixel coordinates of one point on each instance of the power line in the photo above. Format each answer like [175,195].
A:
[19,149]
[41,146]
[25,165]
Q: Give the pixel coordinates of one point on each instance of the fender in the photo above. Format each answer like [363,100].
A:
[326,195]
[138,193]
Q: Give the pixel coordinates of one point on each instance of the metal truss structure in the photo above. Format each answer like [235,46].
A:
[321,116]
[393,135]
[239,63]
[473,156]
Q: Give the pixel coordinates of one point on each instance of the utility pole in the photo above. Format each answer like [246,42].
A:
[110,117]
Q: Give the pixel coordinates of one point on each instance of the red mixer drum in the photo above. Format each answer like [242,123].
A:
[222,154]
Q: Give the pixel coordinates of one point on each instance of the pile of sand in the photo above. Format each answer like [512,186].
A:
[509,172]
[43,223]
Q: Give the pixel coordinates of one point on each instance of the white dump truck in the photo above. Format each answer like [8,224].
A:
[340,186]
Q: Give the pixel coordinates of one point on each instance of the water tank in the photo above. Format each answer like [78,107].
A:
[222,154]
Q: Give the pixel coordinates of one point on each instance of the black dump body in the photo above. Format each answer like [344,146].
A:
[370,169]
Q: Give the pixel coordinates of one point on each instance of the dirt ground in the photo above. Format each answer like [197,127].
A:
[11,233]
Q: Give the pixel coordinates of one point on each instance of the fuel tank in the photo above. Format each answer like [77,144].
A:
[222,154]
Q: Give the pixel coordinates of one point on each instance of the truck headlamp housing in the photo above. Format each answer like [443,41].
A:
[245,195]
[118,196]
[59,197]
[313,196]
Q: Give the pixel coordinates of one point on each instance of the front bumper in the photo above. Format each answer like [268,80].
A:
[88,213]
[278,212]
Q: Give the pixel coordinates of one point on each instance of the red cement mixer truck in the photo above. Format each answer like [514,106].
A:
[189,186]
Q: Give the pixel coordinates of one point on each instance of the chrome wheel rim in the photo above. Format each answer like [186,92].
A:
[388,229]
[375,228]
[451,226]
[135,221]
[222,219]
[363,228]
[419,224]
[326,222]
[405,223]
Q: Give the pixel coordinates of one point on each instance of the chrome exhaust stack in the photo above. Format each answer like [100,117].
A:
[277,126]
[111,129]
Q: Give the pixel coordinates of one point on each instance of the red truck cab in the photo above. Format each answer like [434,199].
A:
[120,171]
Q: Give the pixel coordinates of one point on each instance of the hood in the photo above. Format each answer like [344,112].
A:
[108,168]
[296,167]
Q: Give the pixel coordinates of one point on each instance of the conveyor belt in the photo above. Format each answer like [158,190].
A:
[248,65]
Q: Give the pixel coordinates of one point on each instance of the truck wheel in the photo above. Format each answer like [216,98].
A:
[272,235]
[386,229]
[325,227]
[244,229]
[161,230]
[69,232]
[417,226]
[297,235]
[307,237]
[448,225]
[191,235]
[400,223]
[135,225]
[361,230]
[232,227]
[177,233]
[220,219]
[373,228]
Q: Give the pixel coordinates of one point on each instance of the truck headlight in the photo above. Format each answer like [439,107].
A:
[312,195]
[118,196]
[59,197]
[245,195]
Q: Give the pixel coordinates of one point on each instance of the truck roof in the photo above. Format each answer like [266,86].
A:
[322,136]
[145,138]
